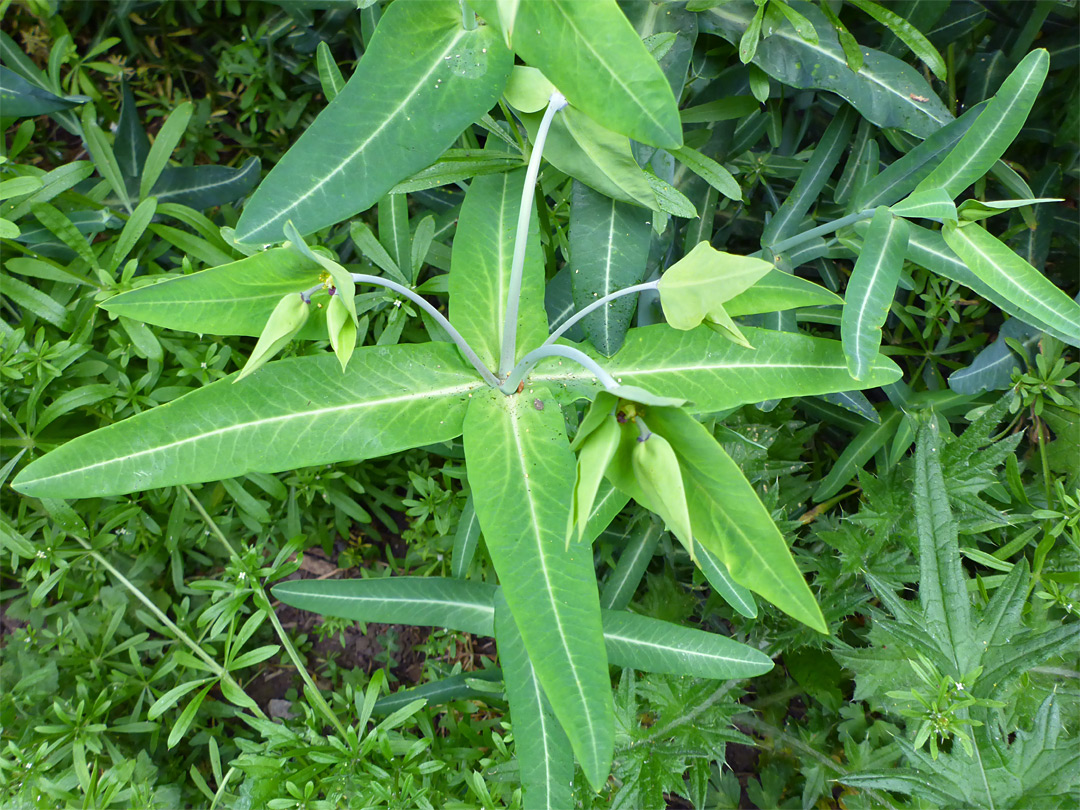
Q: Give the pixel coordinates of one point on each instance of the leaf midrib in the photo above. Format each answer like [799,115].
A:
[407,98]
[427,394]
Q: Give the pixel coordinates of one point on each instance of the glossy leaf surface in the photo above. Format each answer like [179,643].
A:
[871,289]
[521,472]
[292,413]
[480,269]
[421,81]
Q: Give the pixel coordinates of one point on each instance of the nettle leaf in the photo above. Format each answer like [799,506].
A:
[871,289]
[421,81]
[713,373]
[232,299]
[521,474]
[480,268]
[592,53]
[292,413]
[886,91]
[997,127]
[545,758]
[609,249]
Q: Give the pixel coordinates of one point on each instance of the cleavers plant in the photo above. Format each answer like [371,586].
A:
[499,375]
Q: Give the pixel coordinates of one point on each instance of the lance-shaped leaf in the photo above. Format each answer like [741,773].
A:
[993,367]
[928,249]
[811,180]
[422,79]
[871,289]
[886,91]
[422,601]
[521,472]
[233,299]
[653,645]
[906,33]
[713,373]
[776,291]
[480,268]
[729,590]
[999,267]
[729,518]
[902,176]
[293,413]
[974,210]
[870,438]
[640,542]
[609,249]
[21,99]
[595,57]
[997,127]
[545,758]
[202,187]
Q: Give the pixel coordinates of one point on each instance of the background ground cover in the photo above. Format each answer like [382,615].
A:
[84,660]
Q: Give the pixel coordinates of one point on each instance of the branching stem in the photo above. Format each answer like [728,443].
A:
[577,316]
[570,353]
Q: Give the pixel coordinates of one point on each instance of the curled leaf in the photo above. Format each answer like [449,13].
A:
[342,330]
[596,453]
[657,472]
[695,288]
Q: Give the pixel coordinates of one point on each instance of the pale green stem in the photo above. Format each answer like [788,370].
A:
[521,238]
[536,355]
[438,317]
[577,316]
[821,230]
[214,666]
[286,642]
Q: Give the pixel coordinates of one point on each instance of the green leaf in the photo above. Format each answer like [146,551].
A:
[997,127]
[480,269]
[329,73]
[776,291]
[422,79]
[597,60]
[852,51]
[729,590]
[856,453]
[545,758]
[942,585]
[466,540]
[521,472]
[593,457]
[637,553]
[168,138]
[233,299]
[715,374]
[457,165]
[393,212]
[653,645]
[1011,277]
[722,109]
[203,187]
[748,42]
[928,249]
[973,210]
[696,287]
[933,203]
[811,180]
[593,154]
[293,413]
[906,33]
[102,155]
[729,519]
[528,89]
[21,99]
[609,249]
[656,470]
[901,176]
[710,171]
[422,601]
[871,289]
[886,91]
[993,367]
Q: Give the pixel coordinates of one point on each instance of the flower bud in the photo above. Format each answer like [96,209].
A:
[285,321]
